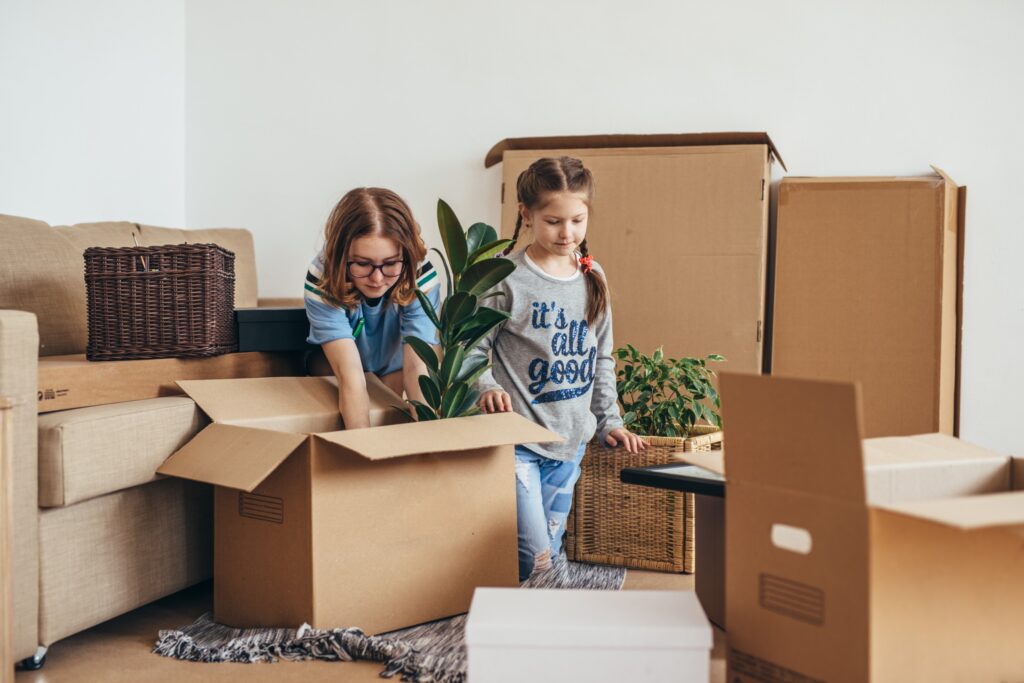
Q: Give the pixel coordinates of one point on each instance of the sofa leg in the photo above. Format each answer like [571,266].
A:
[36,661]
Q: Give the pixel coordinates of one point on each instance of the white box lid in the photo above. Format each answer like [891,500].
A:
[587,619]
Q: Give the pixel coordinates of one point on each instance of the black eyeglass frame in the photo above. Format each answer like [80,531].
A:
[375,266]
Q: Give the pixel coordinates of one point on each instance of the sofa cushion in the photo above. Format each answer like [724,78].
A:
[111,554]
[90,452]
[42,273]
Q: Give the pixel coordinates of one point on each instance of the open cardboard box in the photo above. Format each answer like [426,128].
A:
[376,528]
[899,559]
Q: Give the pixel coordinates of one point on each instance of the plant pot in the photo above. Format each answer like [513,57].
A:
[633,526]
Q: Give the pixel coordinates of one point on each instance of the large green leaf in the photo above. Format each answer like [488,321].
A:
[468,403]
[424,350]
[458,309]
[453,399]
[485,320]
[453,237]
[470,373]
[478,235]
[428,308]
[451,365]
[488,250]
[430,392]
[481,276]
[448,282]
[423,413]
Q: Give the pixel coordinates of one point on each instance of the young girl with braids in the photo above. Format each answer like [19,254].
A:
[553,357]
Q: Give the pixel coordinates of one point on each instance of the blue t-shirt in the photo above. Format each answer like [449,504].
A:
[378,330]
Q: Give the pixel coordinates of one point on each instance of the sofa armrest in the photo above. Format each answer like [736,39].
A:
[19,368]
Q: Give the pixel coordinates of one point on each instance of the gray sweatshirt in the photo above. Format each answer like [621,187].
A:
[558,370]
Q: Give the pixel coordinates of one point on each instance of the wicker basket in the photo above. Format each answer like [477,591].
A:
[634,526]
[158,302]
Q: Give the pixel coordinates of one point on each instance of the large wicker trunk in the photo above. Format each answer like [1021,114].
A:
[634,526]
[176,300]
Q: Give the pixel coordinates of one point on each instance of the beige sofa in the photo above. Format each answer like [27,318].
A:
[96,532]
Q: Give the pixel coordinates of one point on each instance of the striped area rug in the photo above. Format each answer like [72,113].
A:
[429,652]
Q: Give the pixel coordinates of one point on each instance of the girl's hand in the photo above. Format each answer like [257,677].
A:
[495,401]
[632,442]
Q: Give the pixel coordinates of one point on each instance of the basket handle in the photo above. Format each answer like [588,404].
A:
[143,260]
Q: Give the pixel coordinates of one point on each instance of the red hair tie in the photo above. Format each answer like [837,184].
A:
[587,263]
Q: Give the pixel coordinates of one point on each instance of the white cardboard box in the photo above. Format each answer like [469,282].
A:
[515,635]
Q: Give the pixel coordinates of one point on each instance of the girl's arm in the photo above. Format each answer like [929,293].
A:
[353,401]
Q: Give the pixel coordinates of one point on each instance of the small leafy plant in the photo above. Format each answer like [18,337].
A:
[463,322]
[666,396]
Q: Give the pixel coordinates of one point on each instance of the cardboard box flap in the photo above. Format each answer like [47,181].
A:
[992,511]
[249,400]
[231,456]
[458,434]
[494,156]
[922,449]
[798,435]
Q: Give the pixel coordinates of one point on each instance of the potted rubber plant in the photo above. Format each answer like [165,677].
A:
[673,404]
[463,321]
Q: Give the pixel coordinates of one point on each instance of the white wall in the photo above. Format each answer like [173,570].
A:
[262,113]
[291,104]
[92,115]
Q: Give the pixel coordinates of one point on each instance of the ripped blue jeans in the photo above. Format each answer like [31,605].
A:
[543,500]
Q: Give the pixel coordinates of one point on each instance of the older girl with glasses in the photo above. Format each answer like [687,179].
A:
[360,300]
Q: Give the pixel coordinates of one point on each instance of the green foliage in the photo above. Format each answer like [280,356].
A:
[471,271]
[666,396]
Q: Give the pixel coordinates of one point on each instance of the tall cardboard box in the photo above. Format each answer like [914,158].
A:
[377,528]
[825,584]
[867,284]
[680,225]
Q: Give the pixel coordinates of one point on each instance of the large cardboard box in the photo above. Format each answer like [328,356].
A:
[834,576]
[74,382]
[867,285]
[680,225]
[376,528]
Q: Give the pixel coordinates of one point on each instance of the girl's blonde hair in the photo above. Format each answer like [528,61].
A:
[564,174]
[369,211]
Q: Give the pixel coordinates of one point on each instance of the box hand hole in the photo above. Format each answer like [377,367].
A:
[791,538]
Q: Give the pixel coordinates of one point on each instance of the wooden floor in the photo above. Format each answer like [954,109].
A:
[119,650]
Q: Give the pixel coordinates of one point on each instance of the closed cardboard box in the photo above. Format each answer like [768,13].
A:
[680,225]
[74,382]
[376,528]
[834,576]
[867,289]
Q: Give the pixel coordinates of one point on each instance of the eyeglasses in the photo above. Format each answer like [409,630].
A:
[363,269]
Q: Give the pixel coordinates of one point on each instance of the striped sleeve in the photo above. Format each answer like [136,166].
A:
[312,291]
[426,277]
[326,321]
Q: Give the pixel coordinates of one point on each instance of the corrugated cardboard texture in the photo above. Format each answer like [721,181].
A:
[946,605]
[420,533]
[921,591]
[73,382]
[866,290]
[263,554]
[810,616]
[681,233]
